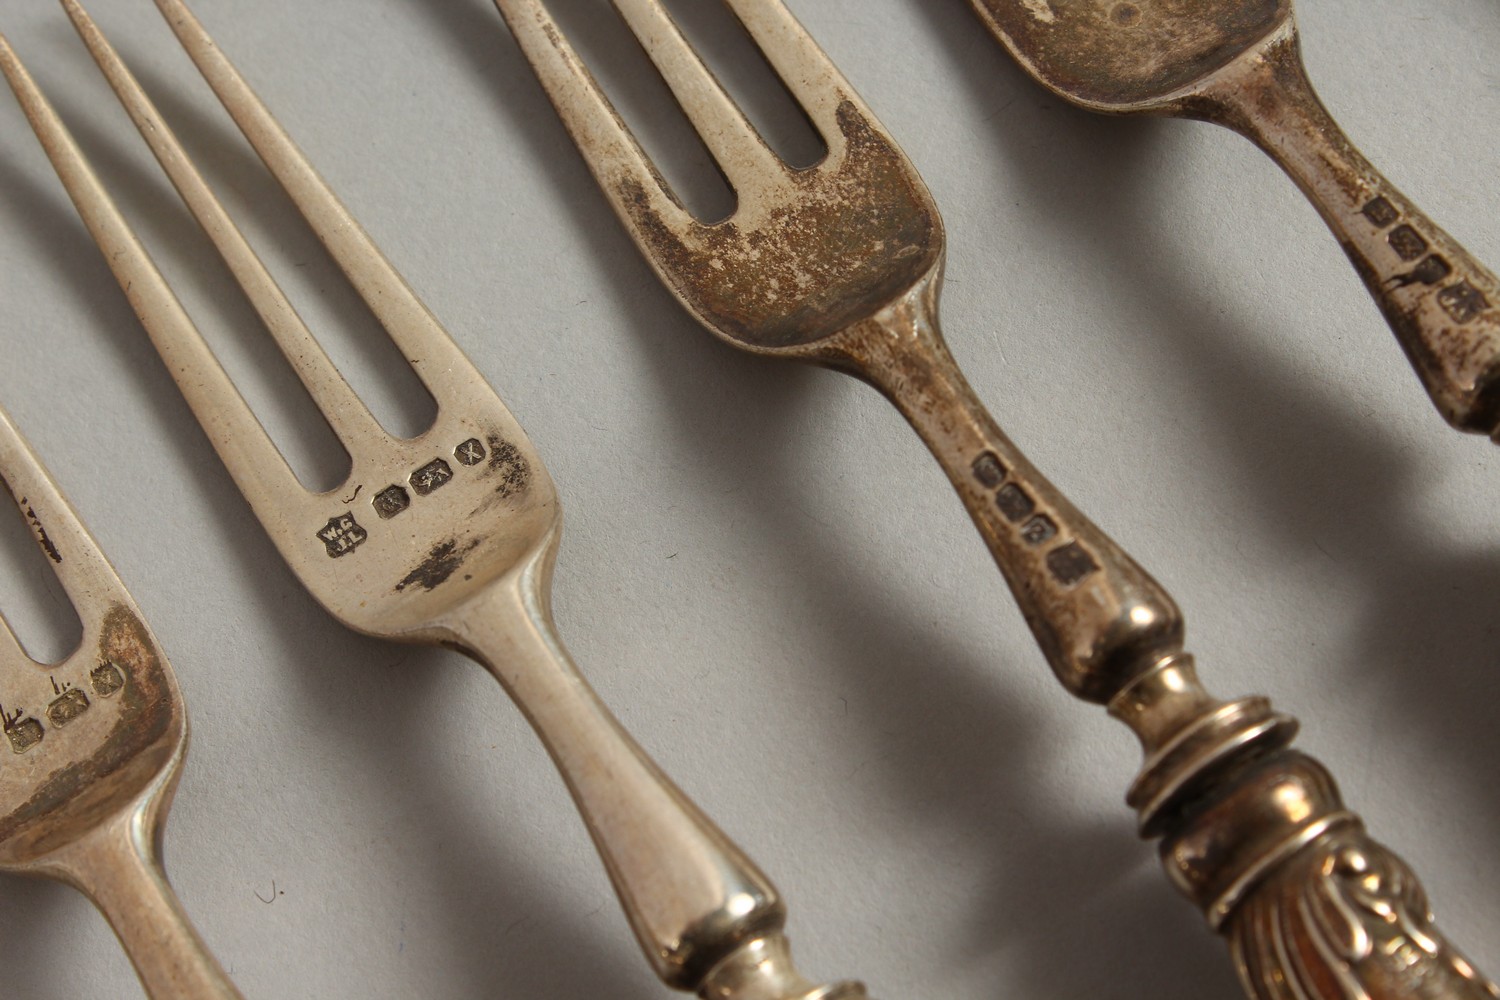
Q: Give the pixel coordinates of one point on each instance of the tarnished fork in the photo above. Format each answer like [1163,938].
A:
[839,264]
[92,750]
[452,541]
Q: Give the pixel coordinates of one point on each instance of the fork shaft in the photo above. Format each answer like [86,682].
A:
[1254,832]
[707,918]
[119,868]
[1442,304]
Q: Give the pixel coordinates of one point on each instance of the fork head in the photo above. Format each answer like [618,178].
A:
[807,252]
[422,524]
[1128,55]
[103,732]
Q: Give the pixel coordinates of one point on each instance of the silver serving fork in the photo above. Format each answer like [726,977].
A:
[453,542]
[93,749]
[840,264]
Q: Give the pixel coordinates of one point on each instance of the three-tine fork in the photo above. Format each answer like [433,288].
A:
[454,540]
[93,749]
[839,264]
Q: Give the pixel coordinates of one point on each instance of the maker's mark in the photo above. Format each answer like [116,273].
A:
[342,535]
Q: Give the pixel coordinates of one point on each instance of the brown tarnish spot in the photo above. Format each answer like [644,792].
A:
[41,534]
[441,563]
[1106,52]
[141,742]
[854,235]
[509,467]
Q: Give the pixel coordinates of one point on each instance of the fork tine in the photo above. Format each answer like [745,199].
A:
[627,175]
[443,368]
[804,68]
[340,406]
[741,153]
[86,575]
[257,467]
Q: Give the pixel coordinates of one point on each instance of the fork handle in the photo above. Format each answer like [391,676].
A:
[708,920]
[1099,617]
[119,868]
[1442,304]
[1254,832]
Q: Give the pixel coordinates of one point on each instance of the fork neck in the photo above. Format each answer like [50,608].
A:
[1099,617]
[707,918]
[119,868]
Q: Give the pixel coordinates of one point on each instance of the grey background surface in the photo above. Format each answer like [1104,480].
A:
[763,572]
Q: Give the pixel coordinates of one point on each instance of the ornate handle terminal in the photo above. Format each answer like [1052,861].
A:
[1253,832]
[1443,305]
[1312,906]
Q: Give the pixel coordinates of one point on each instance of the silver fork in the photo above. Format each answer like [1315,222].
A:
[840,264]
[454,540]
[93,749]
